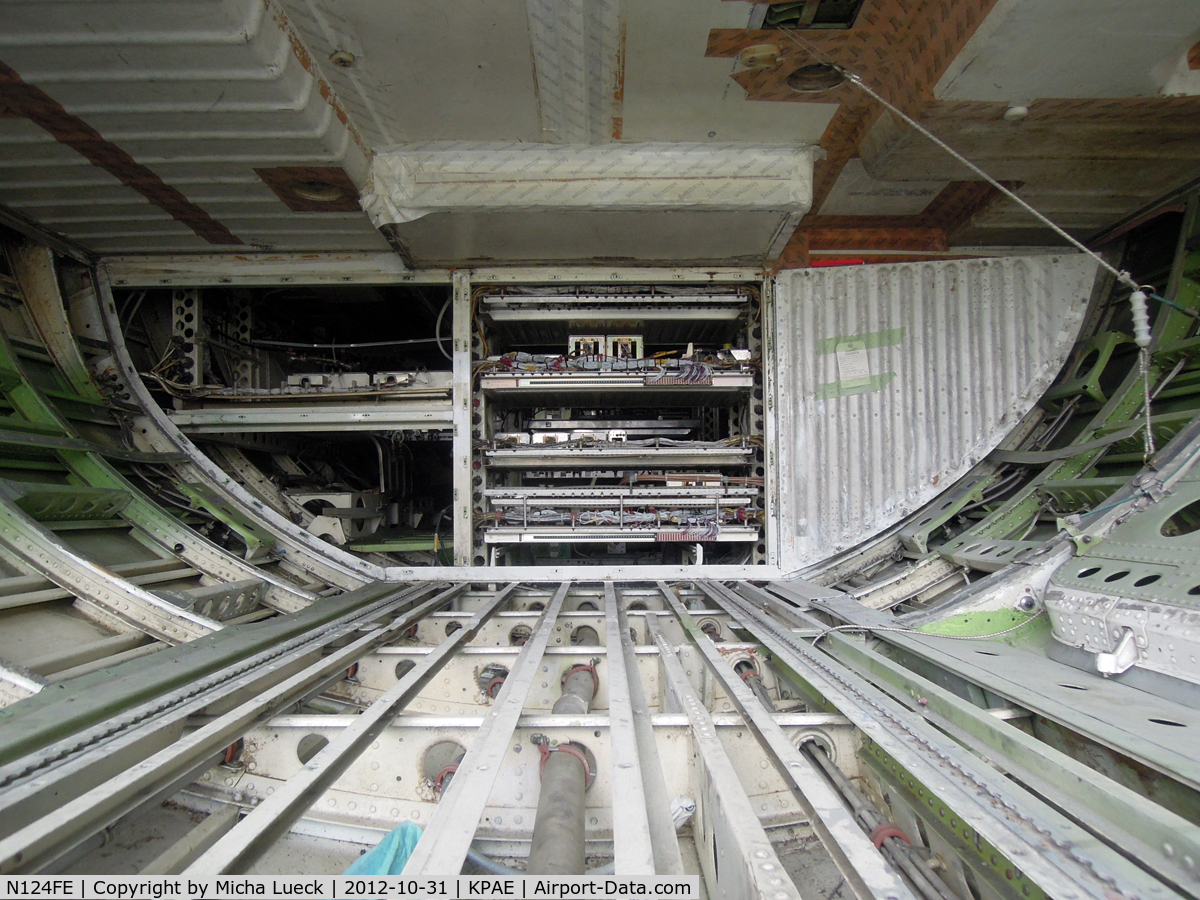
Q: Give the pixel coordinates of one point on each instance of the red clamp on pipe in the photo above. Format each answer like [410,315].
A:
[494,685]
[565,748]
[352,671]
[233,751]
[449,770]
[884,831]
[590,667]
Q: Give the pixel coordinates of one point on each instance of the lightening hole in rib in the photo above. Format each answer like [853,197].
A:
[310,745]
[585,635]
[1184,521]
[404,667]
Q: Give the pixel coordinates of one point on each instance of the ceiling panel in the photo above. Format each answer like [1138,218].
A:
[673,92]
[1041,49]
[137,126]
[550,196]
[427,69]
[856,193]
[605,236]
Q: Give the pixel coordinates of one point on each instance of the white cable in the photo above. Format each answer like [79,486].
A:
[1148,435]
[1137,300]
[437,330]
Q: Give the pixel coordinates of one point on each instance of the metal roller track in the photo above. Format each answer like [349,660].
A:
[674,729]
[1062,858]
[62,826]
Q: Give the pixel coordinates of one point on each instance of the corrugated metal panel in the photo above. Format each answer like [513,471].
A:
[199,92]
[955,353]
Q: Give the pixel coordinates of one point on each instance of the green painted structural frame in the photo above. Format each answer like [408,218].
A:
[1120,812]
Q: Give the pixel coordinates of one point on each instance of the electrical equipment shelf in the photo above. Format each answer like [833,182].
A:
[533,534]
[721,389]
[616,455]
[622,496]
[619,417]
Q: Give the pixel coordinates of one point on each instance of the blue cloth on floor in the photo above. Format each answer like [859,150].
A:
[389,855]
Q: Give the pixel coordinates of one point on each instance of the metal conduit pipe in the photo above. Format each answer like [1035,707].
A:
[558,830]
[746,671]
[887,837]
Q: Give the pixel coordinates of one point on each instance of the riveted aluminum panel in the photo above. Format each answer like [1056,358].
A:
[894,380]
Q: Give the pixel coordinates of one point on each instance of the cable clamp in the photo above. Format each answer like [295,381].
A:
[1151,486]
[590,667]
[566,747]
[449,770]
[885,830]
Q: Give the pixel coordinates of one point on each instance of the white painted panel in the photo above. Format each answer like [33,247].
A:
[441,177]
[955,353]
[201,92]
[856,193]
[673,92]
[664,237]
[427,69]
[457,202]
[576,56]
[1028,50]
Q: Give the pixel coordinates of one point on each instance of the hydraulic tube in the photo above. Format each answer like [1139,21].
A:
[892,842]
[749,674]
[558,830]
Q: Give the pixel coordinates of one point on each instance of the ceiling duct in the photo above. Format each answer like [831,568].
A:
[680,201]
